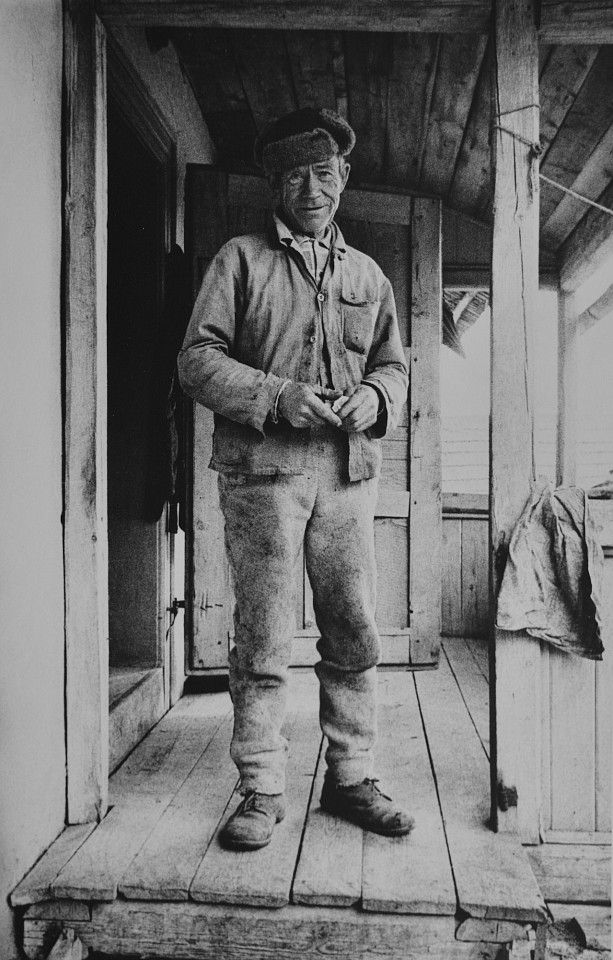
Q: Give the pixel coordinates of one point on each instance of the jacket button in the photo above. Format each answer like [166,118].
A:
[312,339]
[320,297]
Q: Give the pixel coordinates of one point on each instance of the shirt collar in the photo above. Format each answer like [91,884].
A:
[332,239]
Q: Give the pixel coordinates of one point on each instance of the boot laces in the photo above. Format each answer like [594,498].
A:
[250,802]
[373,784]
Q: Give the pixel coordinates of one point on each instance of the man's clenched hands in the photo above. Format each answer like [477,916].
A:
[300,405]
[360,411]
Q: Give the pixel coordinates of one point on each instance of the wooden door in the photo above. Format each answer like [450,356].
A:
[403,236]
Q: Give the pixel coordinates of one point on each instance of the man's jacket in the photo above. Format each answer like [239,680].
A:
[260,320]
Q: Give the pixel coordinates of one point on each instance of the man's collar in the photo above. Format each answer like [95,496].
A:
[333,238]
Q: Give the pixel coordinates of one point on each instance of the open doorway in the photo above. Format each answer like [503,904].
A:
[138,540]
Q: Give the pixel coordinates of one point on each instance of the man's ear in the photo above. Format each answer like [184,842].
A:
[344,169]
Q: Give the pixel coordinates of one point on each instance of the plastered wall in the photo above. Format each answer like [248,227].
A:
[32,761]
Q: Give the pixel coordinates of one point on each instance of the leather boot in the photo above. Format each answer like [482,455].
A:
[364,804]
[252,823]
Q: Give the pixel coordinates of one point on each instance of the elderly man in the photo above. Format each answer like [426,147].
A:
[294,344]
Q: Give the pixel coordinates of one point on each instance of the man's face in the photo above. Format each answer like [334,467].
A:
[309,195]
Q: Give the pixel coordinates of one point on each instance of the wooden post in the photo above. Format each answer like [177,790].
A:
[566,449]
[515,657]
[426,518]
[85,529]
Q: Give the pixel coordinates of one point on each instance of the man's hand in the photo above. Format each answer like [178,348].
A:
[360,411]
[300,405]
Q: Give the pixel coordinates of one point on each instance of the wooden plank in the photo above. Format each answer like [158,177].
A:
[473,687]
[133,714]
[311,61]
[208,59]
[412,72]
[604,707]
[589,115]
[492,874]
[391,554]
[409,874]
[601,308]
[475,578]
[377,207]
[560,82]
[583,21]
[459,63]
[479,651]
[465,503]
[576,836]
[263,66]
[329,870]
[494,931]
[59,910]
[167,863]
[516,757]
[393,503]
[593,178]
[446,16]
[566,447]
[143,790]
[573,873]
[473,166]
[573,748]
[36,885]
[595,922]
[367,61]
[425,540]
[451,586]
[589,246]
[194,931]
[263,877]
[85,528]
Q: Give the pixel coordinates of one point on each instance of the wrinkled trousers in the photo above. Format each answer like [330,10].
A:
[267,521]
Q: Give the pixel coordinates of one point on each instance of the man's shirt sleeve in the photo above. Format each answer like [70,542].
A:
[386,367]
[207,371]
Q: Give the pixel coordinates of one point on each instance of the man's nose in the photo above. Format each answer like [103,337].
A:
[310,183]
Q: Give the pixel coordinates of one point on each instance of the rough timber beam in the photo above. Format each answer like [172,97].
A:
[578,21]
[589,246]
[398,16]
[85,529]
[515,714]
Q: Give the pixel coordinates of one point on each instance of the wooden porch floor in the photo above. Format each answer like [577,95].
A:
[151,880]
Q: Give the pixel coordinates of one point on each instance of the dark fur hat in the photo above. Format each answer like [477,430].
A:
[305,136]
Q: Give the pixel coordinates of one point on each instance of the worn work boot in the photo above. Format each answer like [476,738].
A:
[252,823]
[365,805]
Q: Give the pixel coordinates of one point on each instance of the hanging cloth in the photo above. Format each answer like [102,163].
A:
[551,585]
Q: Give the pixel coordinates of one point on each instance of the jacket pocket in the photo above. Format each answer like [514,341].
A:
[358,318]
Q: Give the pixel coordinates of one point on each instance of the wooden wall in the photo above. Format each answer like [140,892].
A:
[465,565]
[577,724]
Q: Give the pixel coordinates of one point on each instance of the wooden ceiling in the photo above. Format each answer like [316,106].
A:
[420,106]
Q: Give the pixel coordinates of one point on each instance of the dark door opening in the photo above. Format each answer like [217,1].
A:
[136,247]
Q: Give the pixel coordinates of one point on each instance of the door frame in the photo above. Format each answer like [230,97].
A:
[89,56]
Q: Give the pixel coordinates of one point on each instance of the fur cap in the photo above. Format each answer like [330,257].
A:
[305,136]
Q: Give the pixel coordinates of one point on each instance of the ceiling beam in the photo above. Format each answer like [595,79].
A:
[397,16]
[589,246]
[577,21]
[601,308]
[562,21]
